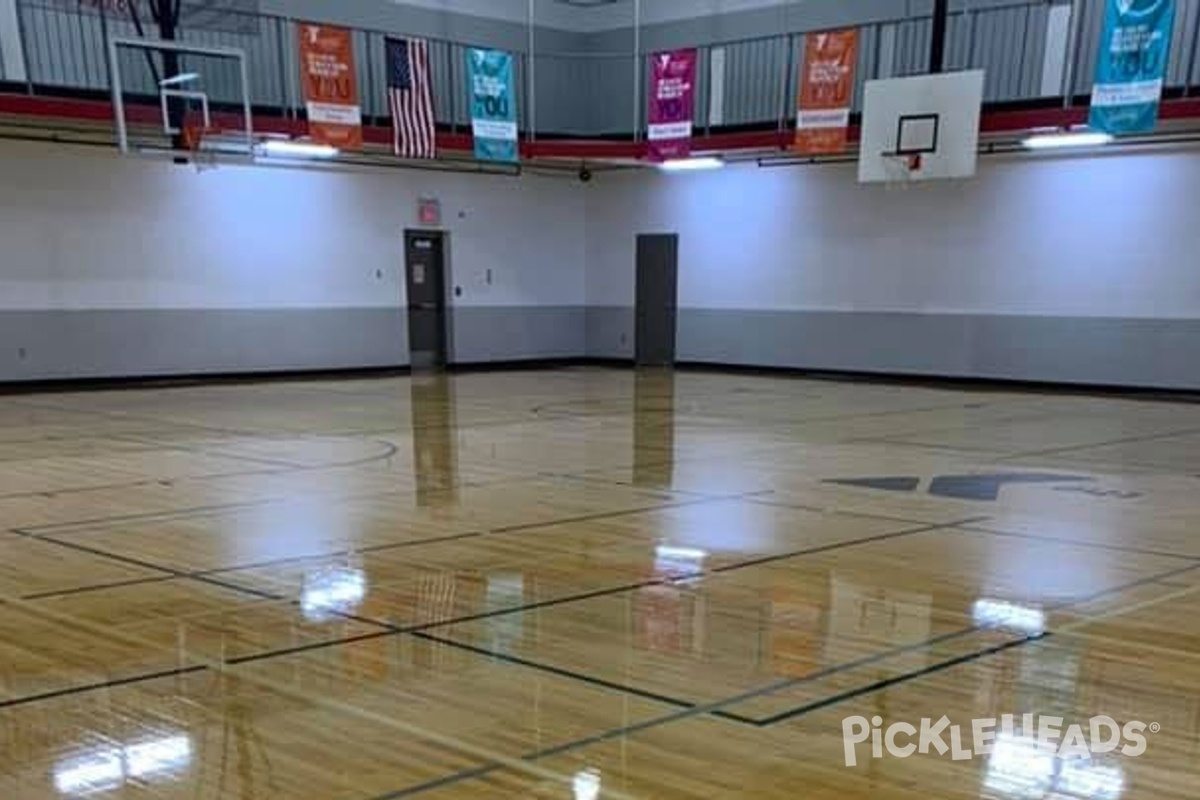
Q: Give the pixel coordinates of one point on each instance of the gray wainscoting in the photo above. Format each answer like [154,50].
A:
[480,334]
[47,345]
[610,332]
[1153,353]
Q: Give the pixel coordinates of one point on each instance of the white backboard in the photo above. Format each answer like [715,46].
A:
[935,116]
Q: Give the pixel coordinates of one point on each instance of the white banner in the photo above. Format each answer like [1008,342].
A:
[334,113]
[671,130]
[494,129]
[1125,94]
[824,118]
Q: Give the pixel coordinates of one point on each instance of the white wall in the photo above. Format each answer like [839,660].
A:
[1078,237]
[87,229]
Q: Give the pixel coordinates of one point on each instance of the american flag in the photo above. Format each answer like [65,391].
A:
[410,95]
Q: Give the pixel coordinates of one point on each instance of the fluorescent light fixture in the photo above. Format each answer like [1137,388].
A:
[1058,141]
[691,164]
[283,148]
[181,78]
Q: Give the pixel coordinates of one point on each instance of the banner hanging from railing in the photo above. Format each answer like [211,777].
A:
[826,91]
[330,85]
[493,104]
[1134,52]
[672,104]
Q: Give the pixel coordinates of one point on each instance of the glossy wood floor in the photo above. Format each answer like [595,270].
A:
[587,584]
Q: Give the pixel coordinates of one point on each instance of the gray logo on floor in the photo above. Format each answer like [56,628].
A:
[985,488]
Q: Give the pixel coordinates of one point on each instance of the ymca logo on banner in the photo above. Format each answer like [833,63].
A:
[672,100]
[1131,65]
[493,104]
[330,85]
[826,90]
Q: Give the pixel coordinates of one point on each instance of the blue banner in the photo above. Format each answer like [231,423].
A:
[493,104]
[1131,65]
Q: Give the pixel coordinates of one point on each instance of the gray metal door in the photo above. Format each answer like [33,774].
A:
[657,275]
[426,279]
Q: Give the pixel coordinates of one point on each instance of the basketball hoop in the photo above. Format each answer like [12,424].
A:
[902,168]
[192,134]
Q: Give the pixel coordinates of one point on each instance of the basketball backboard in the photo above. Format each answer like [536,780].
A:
[921,129]
[171,96]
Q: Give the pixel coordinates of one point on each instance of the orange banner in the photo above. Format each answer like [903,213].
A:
[826,91]
[330,86]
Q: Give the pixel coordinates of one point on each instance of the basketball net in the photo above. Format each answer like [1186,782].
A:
[193,133]
[902,169]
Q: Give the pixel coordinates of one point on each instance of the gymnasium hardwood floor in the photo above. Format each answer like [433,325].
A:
[588,584]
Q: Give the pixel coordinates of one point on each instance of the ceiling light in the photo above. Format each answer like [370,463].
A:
[691,164]
[1056,141]
[282,148]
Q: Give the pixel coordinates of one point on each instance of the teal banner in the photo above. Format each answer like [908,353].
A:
[1134,52]
[493,104]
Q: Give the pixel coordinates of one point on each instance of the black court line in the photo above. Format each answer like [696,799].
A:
[716,708]
[616,733]
[148,516]
[390,450]
[552,670]
[101,524]
[127,560]
[946,448]
[825,548]
[77,590]
[137,562]
[974,527]
[211,453]
[870,688]
[93,687]
[378,548]
[1117,548]
[311,646]
[206,576]
[392,630]
[1126,440]
[898,679]
[615,590]
[585,478]
[127,416]
[841,512]
[597,517]
[202,574]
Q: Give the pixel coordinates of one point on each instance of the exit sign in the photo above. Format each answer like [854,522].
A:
[429,211]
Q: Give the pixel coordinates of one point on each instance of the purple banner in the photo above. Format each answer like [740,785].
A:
[672,101]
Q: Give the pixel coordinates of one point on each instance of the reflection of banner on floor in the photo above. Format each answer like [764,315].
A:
[493,104]
[330,85]
[658,619]
[797,630]
[672,103]
[826,91]
[1132,62]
